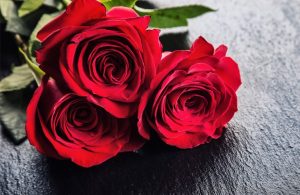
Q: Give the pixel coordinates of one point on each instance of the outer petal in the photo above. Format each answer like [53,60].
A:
[220,51]
[51,94]
[33,126]
[143,127]
[201,48]
[152,36]
[48,55]
[122,12]
[115,108]
[170,61]
[76,14]
[187,140]
[140,23]
[151,55]
[135,141]
[230,111]
[164,54]
[229,71]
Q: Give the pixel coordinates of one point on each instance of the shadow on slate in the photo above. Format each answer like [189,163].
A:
[145,4]
[175,41]
[167,168]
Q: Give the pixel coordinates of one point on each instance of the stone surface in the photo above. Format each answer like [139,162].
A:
[258,154]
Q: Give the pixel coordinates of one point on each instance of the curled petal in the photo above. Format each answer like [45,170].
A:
[76,14]
[122,12]
[32,126]
[201,48]
[187,140]
[229,71]
[220,51]
[48,55]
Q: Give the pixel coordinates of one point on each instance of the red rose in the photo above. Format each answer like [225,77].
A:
[109,57]
[67,126]
[192,97]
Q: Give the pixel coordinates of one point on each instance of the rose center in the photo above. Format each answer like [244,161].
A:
[196,103]
[112,70]
[82,114]
[82,117]
[193,102]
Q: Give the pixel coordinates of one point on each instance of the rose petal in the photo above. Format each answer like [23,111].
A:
[135,141]
[122,12]
[229,112]
[140,23]
[115,108]
[155,46]
[165,53]
[32,126]
[229,71]
[48,55]
[52,93]
[76,14]
[201,48]
[187,140]
[220,51]
[169,63]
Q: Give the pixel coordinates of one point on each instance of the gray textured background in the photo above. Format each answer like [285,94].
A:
[260,150]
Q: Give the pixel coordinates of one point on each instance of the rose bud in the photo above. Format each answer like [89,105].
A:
[110,57]
[192,97]
[66,126]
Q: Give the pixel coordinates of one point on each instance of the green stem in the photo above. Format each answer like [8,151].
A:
[142,11]
[23,49]
[36,71]
[66,2]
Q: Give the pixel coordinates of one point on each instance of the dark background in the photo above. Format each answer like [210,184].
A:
[258,154]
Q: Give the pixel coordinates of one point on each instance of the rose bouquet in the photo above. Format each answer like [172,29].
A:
[107,87]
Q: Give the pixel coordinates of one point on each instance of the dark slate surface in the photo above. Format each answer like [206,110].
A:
[260,150]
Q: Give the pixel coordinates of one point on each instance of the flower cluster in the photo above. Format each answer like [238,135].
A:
[108,86]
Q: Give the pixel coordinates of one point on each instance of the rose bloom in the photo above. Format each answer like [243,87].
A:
[64,125]
[192,97]
[109,57]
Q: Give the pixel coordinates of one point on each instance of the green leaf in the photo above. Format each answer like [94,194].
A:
[33,43]
[112,3]
[1,17]
[58,4]
[12,113]
[5,8]
[33,46]
[29,6]
[14,23]
[20,78]
[173,17]
[66,2]
[104,1]
[35,70]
